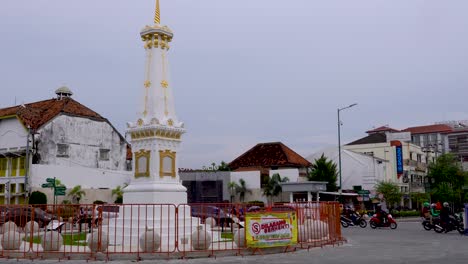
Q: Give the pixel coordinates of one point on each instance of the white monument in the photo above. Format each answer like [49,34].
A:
[155,139]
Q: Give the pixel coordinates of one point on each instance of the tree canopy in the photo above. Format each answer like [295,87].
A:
[76,193]
[448,179]
[390,191]
[324,170]
[273,187]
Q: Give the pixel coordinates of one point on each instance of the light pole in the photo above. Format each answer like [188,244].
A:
[339,144]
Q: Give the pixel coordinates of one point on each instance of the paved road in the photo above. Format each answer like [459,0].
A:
[407,244]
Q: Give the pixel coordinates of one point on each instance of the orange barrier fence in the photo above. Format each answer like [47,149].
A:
[139,231]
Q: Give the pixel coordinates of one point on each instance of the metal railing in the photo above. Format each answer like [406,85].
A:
[148,231]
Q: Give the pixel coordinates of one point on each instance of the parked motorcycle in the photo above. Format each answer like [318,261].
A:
[358,220]
[455,223]
[390,222]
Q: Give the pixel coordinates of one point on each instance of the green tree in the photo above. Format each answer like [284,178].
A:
[390,191]
[223,166]
[76,193]
[58,183]
[324,170]
[273,187]
[233,186]
[118,193]
[242,190]
[449,179]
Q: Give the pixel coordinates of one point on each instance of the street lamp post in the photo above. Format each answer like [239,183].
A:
[339,145]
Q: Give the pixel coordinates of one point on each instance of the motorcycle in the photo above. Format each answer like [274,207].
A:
[455,223]
[358,220]
[427,225]
[375,222]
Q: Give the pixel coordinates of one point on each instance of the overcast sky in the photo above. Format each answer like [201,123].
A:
[246,71]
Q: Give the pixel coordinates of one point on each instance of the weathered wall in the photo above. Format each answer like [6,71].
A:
[12,134]
[85,138]
[72,176]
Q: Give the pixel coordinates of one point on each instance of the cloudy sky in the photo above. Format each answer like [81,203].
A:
[245,71]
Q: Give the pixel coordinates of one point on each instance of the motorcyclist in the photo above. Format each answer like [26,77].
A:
[381,214]
[425,210]
[445,214]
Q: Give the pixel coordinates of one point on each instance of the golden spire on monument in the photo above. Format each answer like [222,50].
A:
[157,14]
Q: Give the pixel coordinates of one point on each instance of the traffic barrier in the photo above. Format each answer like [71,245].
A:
[148,231]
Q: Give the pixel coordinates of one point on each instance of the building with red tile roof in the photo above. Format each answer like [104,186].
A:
[382,129]
[57,137]
[272,155]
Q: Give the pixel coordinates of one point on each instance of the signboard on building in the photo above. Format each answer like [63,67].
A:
[400,136]
[399,157]
[271,229]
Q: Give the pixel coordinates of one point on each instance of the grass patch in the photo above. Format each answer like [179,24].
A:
[36,239]
[74,239]
[227,235]
[68,239]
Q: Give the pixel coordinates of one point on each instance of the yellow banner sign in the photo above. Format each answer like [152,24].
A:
[271,229]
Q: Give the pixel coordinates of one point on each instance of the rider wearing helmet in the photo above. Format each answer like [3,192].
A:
[434,211]
[425,211]
[445,216]
[381,214]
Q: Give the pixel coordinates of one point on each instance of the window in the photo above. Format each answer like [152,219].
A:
[22,161]
[21,188]
[411,155]
[104,154]
[62,150]
[13,188]
[418,157]
[14,166]
[3,167]
[2,188]
[167,160]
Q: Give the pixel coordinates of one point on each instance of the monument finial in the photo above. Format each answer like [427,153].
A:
[157,14]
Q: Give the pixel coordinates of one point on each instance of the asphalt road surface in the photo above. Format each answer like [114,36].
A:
[409,243]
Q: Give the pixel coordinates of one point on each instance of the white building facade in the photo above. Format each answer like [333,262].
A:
[58,138]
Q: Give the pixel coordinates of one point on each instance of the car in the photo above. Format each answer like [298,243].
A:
[219,215]
[21,215]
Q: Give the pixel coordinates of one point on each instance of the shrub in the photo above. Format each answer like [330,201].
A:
[119,200]
[405,213]
[98,202]
[38,197]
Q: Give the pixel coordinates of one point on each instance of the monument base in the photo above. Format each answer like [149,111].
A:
[155,193]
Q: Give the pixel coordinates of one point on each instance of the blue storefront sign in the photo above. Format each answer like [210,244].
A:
[399,160]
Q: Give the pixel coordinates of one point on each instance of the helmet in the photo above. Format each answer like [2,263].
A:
[446,204]
[426,204]
[433,205]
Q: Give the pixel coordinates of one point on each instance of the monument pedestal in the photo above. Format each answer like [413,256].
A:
[151,192]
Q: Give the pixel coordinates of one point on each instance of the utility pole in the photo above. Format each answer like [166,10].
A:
[26,167]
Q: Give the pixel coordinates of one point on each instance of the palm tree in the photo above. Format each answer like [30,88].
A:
[273,187]
[118,192]
[58,183]
[242,189]
[233,187]
[324,170]
[76,193]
